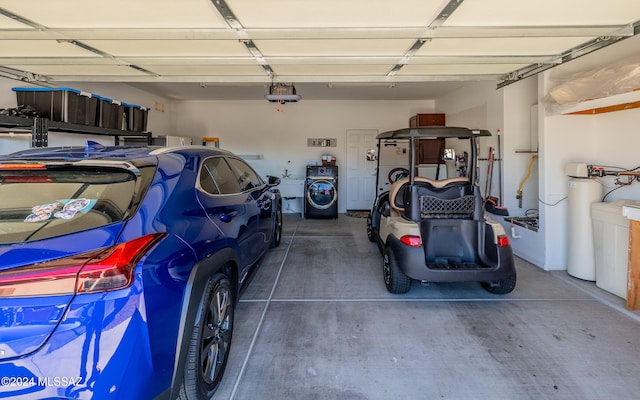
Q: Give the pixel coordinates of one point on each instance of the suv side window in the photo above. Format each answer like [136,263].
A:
[216,177]
[247,178]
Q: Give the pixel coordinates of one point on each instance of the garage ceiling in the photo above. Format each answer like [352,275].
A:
[228,49]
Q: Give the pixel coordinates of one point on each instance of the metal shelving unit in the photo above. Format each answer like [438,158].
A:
[39,129]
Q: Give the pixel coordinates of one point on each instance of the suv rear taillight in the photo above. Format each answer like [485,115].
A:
[106,269]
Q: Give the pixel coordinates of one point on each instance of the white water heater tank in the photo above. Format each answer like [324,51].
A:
[581,256]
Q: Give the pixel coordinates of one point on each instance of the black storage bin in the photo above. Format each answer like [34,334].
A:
[136,117]
[91,113]
[109,113]
[59,104]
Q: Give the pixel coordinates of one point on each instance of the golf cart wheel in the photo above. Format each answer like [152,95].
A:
[210,340]
[394,279]
[369,230]
[501,287]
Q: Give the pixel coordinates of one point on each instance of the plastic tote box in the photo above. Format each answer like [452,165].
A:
[611,244]
[136,117]
[110,113]
[59,104]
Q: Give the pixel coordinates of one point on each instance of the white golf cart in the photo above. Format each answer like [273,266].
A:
[428,220]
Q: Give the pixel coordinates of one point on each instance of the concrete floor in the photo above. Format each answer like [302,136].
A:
[317,323]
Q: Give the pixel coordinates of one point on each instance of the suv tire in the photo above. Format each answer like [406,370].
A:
[210,340]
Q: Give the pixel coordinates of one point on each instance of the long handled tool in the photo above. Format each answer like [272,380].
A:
[491,203]
[487,188]
[499,169]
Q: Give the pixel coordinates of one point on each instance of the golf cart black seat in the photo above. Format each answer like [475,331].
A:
[398,190]
[453,198]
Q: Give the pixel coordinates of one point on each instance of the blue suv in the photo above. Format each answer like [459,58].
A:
[120,268]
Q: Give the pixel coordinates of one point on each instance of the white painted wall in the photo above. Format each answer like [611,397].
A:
[605,139]
[519,137]
[7,97]
[608,139]
[280,137]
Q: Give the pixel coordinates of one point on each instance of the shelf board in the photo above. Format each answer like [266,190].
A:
[15,122]
[7,121]
[58,126]
[619,102]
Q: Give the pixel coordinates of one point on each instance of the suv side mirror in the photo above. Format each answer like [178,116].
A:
[273,180]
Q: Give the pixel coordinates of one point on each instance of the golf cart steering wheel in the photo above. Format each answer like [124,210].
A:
[397,174]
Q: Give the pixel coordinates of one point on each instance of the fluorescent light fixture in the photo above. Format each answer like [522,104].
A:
[232,84]
[281,93]
[332,85]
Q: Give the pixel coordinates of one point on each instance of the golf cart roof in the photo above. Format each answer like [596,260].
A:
[434,132]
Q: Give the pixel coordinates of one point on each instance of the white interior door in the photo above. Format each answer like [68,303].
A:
[361,172]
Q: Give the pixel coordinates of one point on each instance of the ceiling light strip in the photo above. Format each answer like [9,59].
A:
[332,85]
[232,84]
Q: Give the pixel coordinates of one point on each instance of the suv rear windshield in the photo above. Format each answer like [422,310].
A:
[44,203]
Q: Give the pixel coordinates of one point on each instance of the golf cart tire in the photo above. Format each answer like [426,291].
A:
[370,230]
[394,279]
[501,287]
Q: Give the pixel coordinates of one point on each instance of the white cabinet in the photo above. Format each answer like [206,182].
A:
[292,192]
[172,141]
